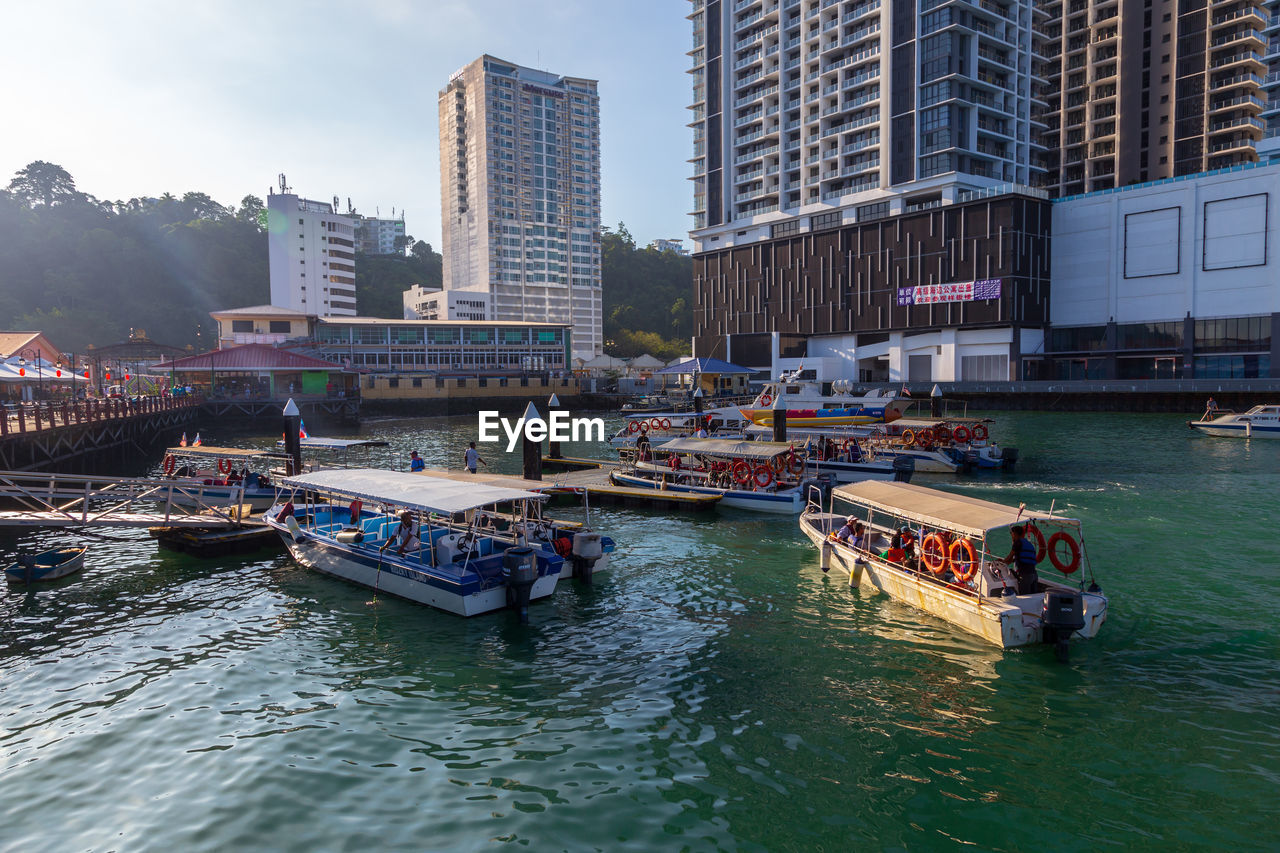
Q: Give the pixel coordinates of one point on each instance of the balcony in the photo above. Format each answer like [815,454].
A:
[748,156]
[1231,145]
[1230,103]
[1237,123]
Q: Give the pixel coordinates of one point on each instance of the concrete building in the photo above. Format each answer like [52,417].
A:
[1147,91]
[420,304]
[260,324]
[520,194]
[312,256]
[676,246]
[378,236]
[1173,279]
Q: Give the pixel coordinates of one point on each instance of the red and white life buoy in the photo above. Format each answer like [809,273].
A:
[763,476]
[966,567]
[633,427]
[962,434]
[224,466]
[665,423]
[655,423]
[170,464]
[980,432]
[766,400]
[1073,550]
[741,472]
[933,553]
[795,465]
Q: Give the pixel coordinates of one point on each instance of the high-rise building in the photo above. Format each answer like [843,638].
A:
[1145,91]
[311,255]
[376,236]
[520,194]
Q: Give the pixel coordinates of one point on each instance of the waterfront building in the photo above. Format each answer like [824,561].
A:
[676,246]
[30,345]
[374,236]
[422,304]
[312,256]
[257,371]
[1172,279]
[520,194]
[1160,89]
[474,347]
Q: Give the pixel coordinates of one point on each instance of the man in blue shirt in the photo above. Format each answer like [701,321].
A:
[415,462]
[1022,561]
[472,457]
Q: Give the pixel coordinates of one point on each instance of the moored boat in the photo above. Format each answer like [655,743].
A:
[817,404]
[218,475]
[449,559]
[660,426]
[1258,422]
[954,573]
[48,566]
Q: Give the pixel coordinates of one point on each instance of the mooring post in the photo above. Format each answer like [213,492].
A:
[553,406]
[697,400]
[779,418]
[293,437]
[935,402]
[532,449]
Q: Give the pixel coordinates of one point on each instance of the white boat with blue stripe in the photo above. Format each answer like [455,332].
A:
[444,558]
[1258,422]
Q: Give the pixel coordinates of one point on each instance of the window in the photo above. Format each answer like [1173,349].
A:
[984,367]
[393,382]
[1079,339]
[1149,335]
[867,212]
[281,327]
[1233,334]
[417,382]
[826,220]
[785,229]
[242,325]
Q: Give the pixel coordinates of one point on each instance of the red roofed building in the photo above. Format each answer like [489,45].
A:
[260,371]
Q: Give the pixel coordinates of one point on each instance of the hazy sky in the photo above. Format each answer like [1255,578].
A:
[140,98]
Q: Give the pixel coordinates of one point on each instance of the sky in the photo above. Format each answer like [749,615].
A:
[141,98]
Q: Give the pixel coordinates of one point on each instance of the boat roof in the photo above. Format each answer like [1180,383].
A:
[426,494]
[505,480]
[961,513]
[223,452]
[317,443]
[726,447]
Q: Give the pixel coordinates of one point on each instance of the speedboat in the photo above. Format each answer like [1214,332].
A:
[454,562]
[1258,422]
[955,573]
[218,475]
[765,476]
[813,404]
[48,566]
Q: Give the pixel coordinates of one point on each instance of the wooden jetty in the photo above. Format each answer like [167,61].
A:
[591,485]
[48,436]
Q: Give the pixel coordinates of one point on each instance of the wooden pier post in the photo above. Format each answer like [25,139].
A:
[293,437]
[935,402]
[532,449]
[779,418]
[553,406]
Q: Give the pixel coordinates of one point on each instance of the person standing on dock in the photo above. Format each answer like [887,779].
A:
[415,463]
[471,457]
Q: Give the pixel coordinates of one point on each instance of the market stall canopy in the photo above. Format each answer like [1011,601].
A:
[705,365]
[726,447]
[36,371]
[645,362]
[961,513]
[411,491]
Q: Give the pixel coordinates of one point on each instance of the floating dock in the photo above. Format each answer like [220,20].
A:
[589,482]
[254,536]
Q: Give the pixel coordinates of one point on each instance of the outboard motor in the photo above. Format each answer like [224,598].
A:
[903,468]
[1062,616]
[1010,457]
[587,549]
[519,571]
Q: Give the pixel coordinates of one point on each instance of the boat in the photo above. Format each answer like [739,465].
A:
[955,574]
[48,566]
[816,404]
[216,475]
[765,476]
[966,442]
[660,426]
[460,565]
[852,451]
[1258,422]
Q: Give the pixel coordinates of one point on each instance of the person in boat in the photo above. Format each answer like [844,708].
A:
[416,464]
[642,447]
[853,533]
[356,506]
[471,457]
[406,535]
[895,554]
[1210,408]
[285,512]
[1022,561]
[702,431]
[909,549]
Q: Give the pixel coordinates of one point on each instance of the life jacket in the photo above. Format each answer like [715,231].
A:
[1025,554]
[895,555]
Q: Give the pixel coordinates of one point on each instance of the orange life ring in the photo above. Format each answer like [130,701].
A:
[224,466]
[655,423]
[962,434]
[795,464]
[942,434]
[170,464]
[933,552]
[1041,548]
[923,439]
[980,432]
[766,472]
[766,400]
[741,472]
[633,427]
[1072,546]
[972,563]
[908,437]
[666,423]
[778,464]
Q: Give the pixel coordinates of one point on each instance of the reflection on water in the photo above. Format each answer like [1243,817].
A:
[713,690]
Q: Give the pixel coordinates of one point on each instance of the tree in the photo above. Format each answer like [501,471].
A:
[401,243]
[45,183]
[252,211]
[203,207]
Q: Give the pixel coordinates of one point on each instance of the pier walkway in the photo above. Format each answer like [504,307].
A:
[46,436]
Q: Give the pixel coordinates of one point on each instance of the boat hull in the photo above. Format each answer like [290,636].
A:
[1236,429]
[851,472]
[47,567]
[1007,622]
[788,502]
[823,417]
[403,581]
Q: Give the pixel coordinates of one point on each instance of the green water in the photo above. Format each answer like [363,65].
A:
[713,690]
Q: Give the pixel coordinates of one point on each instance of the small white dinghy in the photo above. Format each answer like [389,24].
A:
[957,572]
[48,566]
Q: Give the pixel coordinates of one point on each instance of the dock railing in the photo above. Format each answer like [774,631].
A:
[67,500]
[33,417]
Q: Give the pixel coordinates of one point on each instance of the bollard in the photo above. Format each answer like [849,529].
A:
[532,449]
[779,419]
[293,438]
[553,447]
[697,400]
[935,402]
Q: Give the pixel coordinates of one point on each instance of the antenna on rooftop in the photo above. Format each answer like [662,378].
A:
[335,204]
[284,185]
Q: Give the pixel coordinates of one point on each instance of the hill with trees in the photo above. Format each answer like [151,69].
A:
[648,298]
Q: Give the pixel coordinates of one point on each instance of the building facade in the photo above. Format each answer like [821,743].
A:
[312,256]
[520,194]
[420,304]
[379,236]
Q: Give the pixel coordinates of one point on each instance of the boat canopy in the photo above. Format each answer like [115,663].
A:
[315,443]
[411,491]
[224,452]
[504,480]
[726,447]
[965,515]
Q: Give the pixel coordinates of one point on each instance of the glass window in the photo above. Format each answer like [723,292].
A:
[242,325]
[1079,339]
